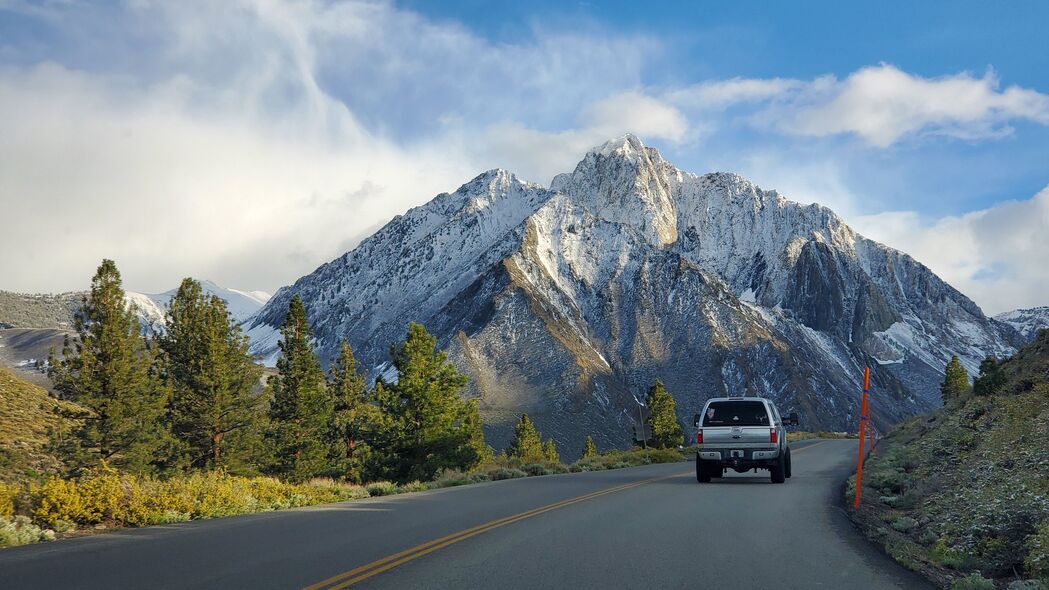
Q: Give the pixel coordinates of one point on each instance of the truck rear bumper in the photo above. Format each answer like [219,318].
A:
[740,457]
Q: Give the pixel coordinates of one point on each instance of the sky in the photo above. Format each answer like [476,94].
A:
[250,141]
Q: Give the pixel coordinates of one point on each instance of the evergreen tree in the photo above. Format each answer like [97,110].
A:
[213,411]
[589,448]
[550,451]
[357,416]
[109,369]
[662,418]
[301,409]
[955,380]
[991,378]
[433,427]
[527,444]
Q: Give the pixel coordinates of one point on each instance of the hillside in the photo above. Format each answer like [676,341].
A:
[27,416]
[567,302]
[967,488]
[21,310]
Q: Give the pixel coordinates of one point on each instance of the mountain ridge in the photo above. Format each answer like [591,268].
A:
[567,302]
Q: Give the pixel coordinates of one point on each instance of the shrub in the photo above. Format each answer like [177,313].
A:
[973,581]
[19,530]
[414,486]
[8,492]
[904,524]
[1037,561]
[381,488]
[535,469]
[106,495]
[505,473]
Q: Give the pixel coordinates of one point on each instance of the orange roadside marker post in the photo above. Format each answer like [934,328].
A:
[864,418]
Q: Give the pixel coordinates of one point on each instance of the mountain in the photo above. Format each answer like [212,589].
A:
[567,302]
[152,308]
[1026,321]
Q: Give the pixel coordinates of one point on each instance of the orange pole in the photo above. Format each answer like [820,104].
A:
[864,417]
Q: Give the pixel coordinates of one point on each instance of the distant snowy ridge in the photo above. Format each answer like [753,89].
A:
[152,308]
[567,302]
[1026,321]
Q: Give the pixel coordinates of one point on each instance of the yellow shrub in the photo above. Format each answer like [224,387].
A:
[8,492]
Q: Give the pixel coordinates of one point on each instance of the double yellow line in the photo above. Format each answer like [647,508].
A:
[364,572]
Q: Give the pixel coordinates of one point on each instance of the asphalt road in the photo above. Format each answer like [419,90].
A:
[645,527]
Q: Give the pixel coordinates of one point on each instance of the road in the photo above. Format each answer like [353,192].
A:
[644,527]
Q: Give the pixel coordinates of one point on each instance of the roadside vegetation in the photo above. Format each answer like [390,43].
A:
[962,495]
[182,425]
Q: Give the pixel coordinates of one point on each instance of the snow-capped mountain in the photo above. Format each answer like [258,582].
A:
[567,302]
[1026,321]
[151,308]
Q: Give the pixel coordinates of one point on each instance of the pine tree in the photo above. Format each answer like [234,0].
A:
[356,418]
[527,444]
[589,448]
[550,451]
[109,369]
[213,411]
[433,427]
[301,409]
[955,380]
[991,378]
[662,418]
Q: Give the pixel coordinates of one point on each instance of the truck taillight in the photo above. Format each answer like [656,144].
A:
[773,436]
[699,436]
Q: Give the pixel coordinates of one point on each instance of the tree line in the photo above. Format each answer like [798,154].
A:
[192,397]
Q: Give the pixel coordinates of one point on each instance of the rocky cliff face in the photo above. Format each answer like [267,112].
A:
[567,302]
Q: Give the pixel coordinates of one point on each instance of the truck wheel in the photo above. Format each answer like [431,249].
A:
[787,470]
[778,472]
[702,473]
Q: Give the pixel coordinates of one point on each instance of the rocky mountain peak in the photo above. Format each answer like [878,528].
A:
[626,182]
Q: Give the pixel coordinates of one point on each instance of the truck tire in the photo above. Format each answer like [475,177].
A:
[779,471]
[702,473]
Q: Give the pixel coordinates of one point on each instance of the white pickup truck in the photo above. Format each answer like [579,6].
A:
[742,433]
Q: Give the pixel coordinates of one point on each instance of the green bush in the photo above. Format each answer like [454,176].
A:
[505,473]
[414,486]
[904,524]
[1037,561]
[535,469]
[19,530]
[381,488]
[973,581]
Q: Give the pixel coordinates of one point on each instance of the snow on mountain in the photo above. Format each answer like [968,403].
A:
[152,308]
[1026,321]
[568,302]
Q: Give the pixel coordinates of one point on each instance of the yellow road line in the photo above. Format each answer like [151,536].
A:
[358,574]
[363,572]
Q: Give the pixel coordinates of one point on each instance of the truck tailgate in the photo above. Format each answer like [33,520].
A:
[736,436]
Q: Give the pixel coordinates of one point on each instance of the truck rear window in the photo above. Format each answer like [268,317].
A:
[741,413]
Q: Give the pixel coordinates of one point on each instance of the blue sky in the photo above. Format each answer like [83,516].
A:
[252,140]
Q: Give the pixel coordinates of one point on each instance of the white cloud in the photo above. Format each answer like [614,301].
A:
[718,94]
[996,256]
[879,104]
[248,142]
[882,104]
